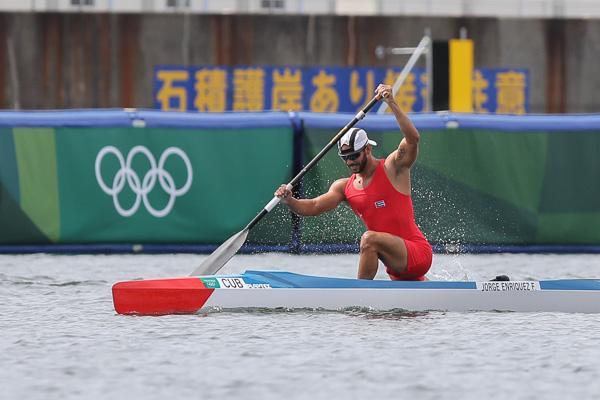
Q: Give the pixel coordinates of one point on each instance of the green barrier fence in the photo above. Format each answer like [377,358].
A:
[185,178]
[479,186]
[152,185]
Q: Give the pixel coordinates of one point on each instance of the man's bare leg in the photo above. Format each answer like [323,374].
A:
[375,246]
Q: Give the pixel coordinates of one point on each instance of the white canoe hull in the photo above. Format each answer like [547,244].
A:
[407,299]
[284,290]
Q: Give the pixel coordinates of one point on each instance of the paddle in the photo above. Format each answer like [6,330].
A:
[213,263]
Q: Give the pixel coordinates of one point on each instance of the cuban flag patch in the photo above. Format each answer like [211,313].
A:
[379,204]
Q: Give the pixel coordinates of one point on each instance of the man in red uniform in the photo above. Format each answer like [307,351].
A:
[378,191]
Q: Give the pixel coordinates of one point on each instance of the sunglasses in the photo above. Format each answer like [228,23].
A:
[352,156]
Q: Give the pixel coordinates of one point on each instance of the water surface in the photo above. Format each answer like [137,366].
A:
[61,338]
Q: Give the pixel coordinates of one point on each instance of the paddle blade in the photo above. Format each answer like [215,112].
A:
[222,254]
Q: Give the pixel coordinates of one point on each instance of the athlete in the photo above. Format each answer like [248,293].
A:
[378,191]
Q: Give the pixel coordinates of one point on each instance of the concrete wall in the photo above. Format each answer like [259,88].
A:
[107,60]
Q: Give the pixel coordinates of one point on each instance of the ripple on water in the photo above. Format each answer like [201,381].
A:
[61,338]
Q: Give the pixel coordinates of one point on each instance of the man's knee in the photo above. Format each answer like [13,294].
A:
[368,241]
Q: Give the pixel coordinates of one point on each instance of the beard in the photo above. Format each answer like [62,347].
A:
[358,167]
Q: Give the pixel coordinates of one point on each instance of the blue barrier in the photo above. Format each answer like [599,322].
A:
[64,118]
[529,122]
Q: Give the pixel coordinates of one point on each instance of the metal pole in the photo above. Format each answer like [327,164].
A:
[429,72]
[14,74]
[185,40]
[424,44]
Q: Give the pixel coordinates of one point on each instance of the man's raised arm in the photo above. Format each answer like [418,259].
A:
[407,151]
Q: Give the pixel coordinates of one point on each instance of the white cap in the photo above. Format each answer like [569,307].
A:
[357,139]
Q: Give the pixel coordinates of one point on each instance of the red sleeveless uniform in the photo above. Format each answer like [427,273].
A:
[383,209]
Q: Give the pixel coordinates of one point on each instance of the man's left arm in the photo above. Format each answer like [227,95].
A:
[406,154]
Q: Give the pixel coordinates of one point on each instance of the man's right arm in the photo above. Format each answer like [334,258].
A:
[318,205]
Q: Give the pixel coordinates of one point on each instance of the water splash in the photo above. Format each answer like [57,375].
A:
[451,269]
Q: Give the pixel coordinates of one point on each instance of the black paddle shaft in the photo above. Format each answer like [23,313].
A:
[361,114]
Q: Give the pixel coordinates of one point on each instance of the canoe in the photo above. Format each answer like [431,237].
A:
[286,290]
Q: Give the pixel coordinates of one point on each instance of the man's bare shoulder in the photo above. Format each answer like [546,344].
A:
[339,185]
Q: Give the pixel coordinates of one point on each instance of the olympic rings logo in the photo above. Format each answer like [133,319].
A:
[141,188]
